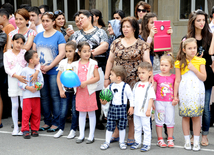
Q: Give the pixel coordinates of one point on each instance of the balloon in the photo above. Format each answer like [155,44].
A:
[70,79]
[106,94]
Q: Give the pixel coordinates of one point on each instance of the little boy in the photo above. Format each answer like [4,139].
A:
[143,96]
[117,110]
[31,96]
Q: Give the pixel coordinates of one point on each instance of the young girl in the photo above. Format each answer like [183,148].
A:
[189,89]
[14,62]
[164,108]
[67,95]
[87,70]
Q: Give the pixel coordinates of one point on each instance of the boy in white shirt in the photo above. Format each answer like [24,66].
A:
[143,97]
[117,113]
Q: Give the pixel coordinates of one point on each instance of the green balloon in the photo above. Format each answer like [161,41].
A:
[106,94]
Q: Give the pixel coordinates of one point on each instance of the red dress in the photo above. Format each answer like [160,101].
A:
[84,101]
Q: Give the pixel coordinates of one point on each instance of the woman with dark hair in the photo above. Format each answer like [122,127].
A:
[141,9]
[97,17]
[198,28]
[60,24]
[119,15]
[128,51]
[77,20]
[50,46]
[98,41]
[22,18]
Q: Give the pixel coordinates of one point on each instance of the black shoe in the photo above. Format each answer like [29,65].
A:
[26,135]
[1,125]
[34,133]
[52,130]
[100,126]
[44,128]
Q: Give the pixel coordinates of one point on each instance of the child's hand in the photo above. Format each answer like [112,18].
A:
[103,102]
[31,88]
[83,84]
[175,101]
[148,113]
[62,94]
[191,67]
[131,111]
[170,31]
[22,79]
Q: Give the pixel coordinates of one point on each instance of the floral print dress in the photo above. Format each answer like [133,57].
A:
[129,57]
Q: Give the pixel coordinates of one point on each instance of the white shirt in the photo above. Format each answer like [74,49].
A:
[139,92]
[39,28]
[117,93]
[212,26]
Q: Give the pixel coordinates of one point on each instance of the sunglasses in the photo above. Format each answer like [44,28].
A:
[57,12]
[48,13]
[143,10]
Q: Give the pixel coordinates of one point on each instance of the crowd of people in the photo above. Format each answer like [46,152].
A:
[36,48]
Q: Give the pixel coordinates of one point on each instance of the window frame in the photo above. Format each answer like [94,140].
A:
[192,8]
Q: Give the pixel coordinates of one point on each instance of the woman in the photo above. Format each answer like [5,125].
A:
[119,15]
[97,18]
[148,31]
[50,46]
[141,9]
[77,20]
[128,51]
[98,41]
[21,19]
[60,24]
[114,32]
[198,28]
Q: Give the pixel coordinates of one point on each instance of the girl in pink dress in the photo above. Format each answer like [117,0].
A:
[87,70]
[164,107]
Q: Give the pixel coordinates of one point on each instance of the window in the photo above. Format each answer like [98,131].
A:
[127,6]
[69,7]
[187,6]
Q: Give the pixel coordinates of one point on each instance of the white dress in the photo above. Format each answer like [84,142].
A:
[13,88]
[191,95]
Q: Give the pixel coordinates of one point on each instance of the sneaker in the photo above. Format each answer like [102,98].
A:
[123,146]
[20,133]
[104,146]
[170,143]
[196,146]
[26,135]
[161,143]
[187,145]
[72,134]
[58,134]
[135,146]
[145,148]
[34,133]
[15,132]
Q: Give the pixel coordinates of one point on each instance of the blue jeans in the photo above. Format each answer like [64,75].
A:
[206,113]
[50,100]
[70,97]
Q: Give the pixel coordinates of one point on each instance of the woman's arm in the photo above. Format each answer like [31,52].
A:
[211,50]
[58,58]
[202,74]
[146,56]
[102,48]
[109,65]
[59,84]
[34,47]
[29,43]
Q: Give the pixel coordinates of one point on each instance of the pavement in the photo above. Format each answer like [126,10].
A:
[45,144]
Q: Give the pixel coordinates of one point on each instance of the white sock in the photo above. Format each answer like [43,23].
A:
[82,117]
[187,138]
[196,138]
[122,134]
[108,136]
[92,122]
[15,106]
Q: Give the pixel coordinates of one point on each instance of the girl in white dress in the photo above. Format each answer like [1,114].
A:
[14,62]
[189,89]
